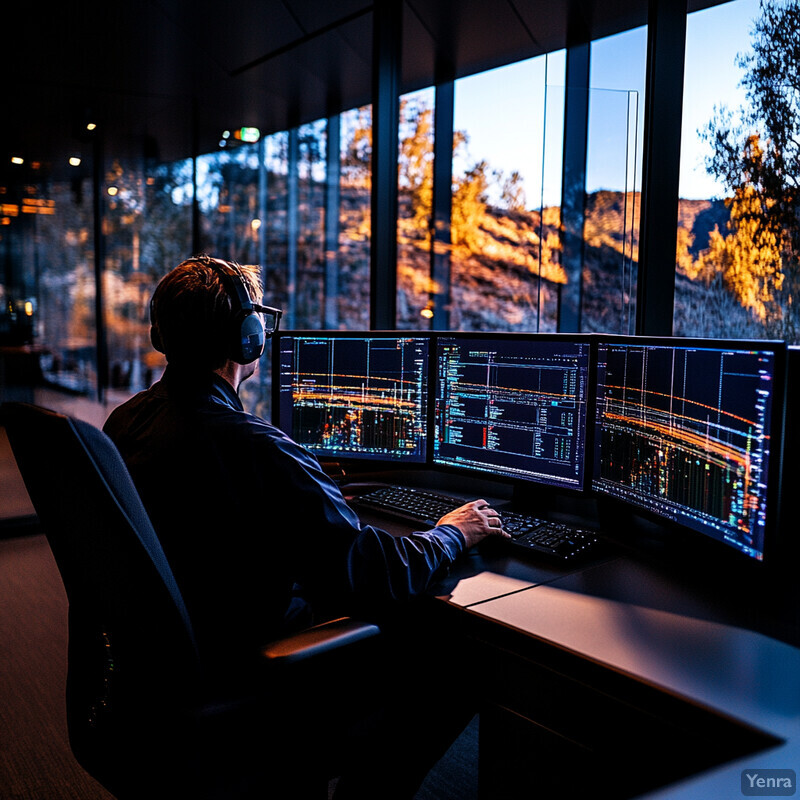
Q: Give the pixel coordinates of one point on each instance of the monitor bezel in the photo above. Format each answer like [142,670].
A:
[351,461]
[520,486]
[614,506]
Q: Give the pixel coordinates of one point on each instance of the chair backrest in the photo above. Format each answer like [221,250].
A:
[131,646]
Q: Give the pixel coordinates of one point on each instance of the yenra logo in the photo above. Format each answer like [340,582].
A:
[769,782]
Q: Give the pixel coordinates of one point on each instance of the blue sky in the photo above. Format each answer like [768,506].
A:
[713,39]
[512,140]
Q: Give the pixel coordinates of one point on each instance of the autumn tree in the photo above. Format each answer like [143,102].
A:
[416,160]
[469,206]
[357,151]
[513,194]
[469,190]
[683,258]
[755,154]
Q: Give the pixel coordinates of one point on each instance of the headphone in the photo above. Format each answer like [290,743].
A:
[245,337]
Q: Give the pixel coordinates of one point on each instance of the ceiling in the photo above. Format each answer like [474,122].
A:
[165,77]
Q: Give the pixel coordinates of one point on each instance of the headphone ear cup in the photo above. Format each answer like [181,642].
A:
[250,340]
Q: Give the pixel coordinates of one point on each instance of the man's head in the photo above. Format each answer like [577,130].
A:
[203,313]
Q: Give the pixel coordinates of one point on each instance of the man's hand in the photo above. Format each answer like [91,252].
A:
[476,521]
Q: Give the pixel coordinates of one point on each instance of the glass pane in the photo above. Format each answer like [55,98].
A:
[227,193]
[351,294]
[613,182]
[270,233]
[51,290]
[274,228]
[505,260]
[737,251]
[414,201]
[148,232]
[309,285]
[611,213]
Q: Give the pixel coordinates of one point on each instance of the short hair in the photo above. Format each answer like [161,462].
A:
[191,312]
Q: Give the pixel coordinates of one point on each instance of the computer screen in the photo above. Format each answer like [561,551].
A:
[354,395]
[684,430]
[512,406]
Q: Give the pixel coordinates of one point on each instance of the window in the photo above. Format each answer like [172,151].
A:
[57,277]
[350,292]
[414,205]
[613,182]
[313,230]
[147,222]
[228,199]
[737,248]
[507,268]
[505,260]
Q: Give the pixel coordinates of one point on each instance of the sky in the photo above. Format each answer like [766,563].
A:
[713,39]
[534,90]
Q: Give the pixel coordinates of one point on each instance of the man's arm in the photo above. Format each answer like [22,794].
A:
[363,559]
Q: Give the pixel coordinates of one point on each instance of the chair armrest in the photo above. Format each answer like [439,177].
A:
[325,638]
[294,658]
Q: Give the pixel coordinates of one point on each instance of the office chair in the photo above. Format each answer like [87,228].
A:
[145,718]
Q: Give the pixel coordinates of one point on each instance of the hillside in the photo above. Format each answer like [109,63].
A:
[513,271]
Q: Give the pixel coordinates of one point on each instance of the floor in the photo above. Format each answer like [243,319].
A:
[35,759]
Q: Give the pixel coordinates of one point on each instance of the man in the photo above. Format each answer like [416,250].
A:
[261,541]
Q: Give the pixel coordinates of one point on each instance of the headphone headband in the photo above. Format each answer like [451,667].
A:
[232,278]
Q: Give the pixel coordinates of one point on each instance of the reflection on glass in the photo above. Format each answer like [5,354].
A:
[63,285]
[148,232]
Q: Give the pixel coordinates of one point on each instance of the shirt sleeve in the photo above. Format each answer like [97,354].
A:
[362,559]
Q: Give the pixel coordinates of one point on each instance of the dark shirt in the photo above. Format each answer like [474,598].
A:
[247,517]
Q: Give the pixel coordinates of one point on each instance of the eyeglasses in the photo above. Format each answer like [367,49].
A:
[272,317]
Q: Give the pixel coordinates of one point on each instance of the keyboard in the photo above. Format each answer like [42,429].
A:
[423,507]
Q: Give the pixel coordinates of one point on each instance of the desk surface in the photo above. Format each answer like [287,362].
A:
[652,628]
[631,618]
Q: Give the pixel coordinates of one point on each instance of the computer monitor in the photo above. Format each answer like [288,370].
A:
[512,406]
[687,430]
[353,395]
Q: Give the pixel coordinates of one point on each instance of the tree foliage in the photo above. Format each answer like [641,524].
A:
[513,196]
[357,153]
[469,196]
[755,153]
[469,206]
[748,259]
[416,160]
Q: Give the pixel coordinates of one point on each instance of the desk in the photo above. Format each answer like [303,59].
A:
[616,675]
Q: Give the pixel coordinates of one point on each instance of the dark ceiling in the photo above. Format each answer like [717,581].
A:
[167,76]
